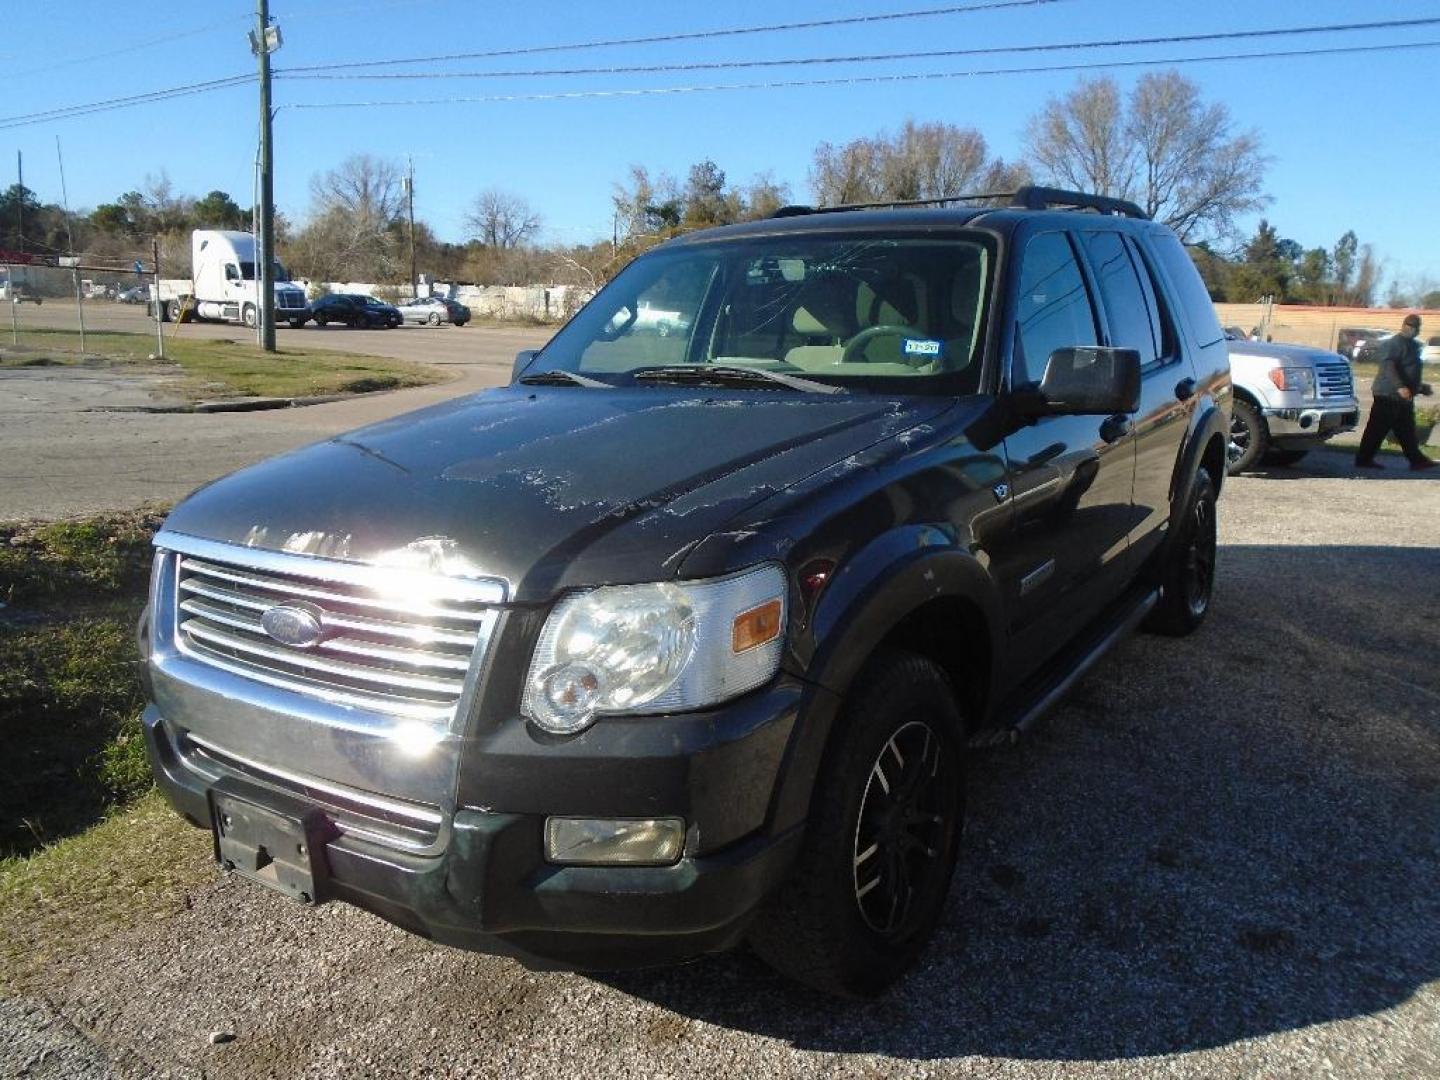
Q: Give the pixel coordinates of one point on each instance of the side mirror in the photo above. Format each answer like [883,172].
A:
[522,361]
[1084,381]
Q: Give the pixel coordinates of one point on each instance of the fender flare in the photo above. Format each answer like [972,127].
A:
[1210,424]
[851,619]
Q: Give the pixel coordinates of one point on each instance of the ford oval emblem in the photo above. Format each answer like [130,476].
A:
[291,624]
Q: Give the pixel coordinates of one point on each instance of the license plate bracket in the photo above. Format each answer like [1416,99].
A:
[271,839]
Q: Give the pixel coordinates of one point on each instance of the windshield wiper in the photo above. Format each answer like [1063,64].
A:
[559,377]
[722,375]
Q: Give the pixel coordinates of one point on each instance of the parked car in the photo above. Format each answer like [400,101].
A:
[353,310]
[1288,400]
[1350,340]
[1430,352]
[679,642]
[138,294]
[434,310]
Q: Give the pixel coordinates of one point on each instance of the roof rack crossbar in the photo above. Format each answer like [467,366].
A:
[1044,198]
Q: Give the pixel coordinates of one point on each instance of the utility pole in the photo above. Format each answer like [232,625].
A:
[410,195]
[264,40]
[20,202]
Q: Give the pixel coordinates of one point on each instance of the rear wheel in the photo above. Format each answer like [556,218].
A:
[869,886]
[321,320]
[434,318]
[1187,573]
[1249,438]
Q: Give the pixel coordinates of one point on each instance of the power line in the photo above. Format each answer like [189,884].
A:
[136,47]
[66,112]
[867,58]
[691,35]
[858,80]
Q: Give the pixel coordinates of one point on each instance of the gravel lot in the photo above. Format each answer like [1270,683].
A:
[1217,859]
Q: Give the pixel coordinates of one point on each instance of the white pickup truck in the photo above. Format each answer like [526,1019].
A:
[1288,400]
[223,285]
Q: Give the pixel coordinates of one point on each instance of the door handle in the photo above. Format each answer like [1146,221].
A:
[1185,389]
[1116,428]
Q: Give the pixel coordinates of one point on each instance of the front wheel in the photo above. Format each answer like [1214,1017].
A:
[870,883]
[1187,570]
[434,318]
[247,316]
[1249,438]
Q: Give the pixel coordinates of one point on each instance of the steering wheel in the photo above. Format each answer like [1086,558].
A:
[855,348]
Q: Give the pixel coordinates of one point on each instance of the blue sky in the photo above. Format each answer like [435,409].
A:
[1354,136]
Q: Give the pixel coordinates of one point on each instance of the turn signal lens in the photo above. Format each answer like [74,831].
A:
[757,626]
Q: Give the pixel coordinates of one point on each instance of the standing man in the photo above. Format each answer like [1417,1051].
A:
[1394,392]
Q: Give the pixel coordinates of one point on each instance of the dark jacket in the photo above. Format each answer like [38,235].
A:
[1399,359]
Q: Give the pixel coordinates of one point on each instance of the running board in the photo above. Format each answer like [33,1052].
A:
[1007,734]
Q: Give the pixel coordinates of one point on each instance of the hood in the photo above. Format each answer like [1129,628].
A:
[1269,350]
[545,487]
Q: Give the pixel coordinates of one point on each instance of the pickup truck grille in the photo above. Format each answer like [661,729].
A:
[388,653]
[1333,380]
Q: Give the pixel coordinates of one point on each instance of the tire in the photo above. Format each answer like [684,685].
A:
[829,926]
[434,318]
[1249,438]
[1187,570]
[173,311]
[247,315]
[1284,457]
[321,320]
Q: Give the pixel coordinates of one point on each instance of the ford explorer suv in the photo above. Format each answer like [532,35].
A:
[678,642]
[1288,400]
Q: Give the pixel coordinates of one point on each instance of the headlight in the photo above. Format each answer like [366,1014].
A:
[1294,378]
[666,647]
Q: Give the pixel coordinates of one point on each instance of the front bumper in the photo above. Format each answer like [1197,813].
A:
[1311,424]
[483,883]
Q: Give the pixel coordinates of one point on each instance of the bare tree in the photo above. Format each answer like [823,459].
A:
[354,228]
[499,219]
[920,161]
[765,195]
[1165,149]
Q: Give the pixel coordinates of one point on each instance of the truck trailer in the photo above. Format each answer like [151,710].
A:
[224,285]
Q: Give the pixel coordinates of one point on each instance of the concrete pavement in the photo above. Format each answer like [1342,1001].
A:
[57,458]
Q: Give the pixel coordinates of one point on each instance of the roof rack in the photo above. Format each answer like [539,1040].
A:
[1025,198]
[1044,198]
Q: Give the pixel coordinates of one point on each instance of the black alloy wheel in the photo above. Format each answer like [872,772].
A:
[1200,544]
[1249,440]
[1186,568]
[901,830]
[869,884]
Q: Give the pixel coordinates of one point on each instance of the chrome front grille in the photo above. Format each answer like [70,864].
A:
[1333,380]
[390,642]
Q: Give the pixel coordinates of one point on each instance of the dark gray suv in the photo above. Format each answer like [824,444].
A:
[680,640]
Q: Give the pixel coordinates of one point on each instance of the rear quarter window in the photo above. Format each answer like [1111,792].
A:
[1187,290]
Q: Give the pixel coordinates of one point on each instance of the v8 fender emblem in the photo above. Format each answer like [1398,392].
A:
[1002,492]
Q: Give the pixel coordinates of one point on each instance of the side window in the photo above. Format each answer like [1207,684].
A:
[1052,306]
[232,272]
[1162,322]
[1186,287]
[1127,308]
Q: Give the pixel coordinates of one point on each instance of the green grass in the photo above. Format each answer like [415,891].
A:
[70,695]
[210,368]
[137,863]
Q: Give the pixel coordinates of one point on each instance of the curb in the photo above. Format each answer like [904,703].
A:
[237,405]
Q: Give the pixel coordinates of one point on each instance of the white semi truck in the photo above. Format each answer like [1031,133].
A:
[223,285]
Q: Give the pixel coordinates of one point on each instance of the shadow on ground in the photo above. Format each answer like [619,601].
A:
[1214,839]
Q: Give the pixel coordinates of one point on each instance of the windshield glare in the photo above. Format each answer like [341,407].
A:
[873,313]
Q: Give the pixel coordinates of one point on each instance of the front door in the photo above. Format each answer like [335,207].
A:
[1070,477]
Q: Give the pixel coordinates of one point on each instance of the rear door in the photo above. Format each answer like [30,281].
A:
[1070,477]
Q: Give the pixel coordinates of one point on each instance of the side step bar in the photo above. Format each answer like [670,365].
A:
[1127,620]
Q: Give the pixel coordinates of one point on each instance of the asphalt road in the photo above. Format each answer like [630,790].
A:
[62,454]
[1219,858]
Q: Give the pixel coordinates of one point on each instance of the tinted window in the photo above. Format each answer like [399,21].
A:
[1126,307]
[1188,289]
[1052,307]
[1161,321]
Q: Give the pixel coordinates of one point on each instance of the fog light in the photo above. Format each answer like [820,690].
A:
[614,841]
